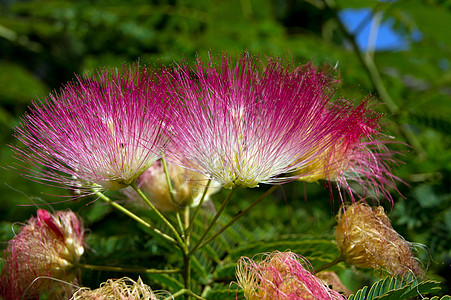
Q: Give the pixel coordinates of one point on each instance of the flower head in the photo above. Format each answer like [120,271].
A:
[187,187]
[47,246]
[242,123]
[366,239]
[281,275]
[99,133]
[123,289]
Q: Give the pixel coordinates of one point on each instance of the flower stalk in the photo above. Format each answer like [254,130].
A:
[240,214]
[213,221]
[180,242]
[338,260]
[197,210]
[135,217]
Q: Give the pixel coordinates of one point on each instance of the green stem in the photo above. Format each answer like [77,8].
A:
[332,263]
[186,217]
[183,292]
[240,214]
[123,269]
[187,271]
[373,72]
[196,212]
[135,217]
[171,192]
[168,180]
[213,221]
[179,223]
[180,242]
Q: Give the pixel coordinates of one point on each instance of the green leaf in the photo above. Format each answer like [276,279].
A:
[421,15]
[395,288]
[218,292]
[439,123]
[167,281]
[19,85]
[343,4]
[446,297]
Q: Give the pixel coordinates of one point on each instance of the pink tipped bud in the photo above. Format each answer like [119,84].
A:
[281,275]
[124,288]
[366,239]
[47,246]
[187,187]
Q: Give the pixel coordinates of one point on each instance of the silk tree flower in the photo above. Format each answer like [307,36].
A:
[41,256]
[366,239]
[359,156]
[123,288]
[241,123]
[281,275]
[98,133]
[187,187]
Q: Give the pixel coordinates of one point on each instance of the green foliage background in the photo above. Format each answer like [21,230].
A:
[43,43]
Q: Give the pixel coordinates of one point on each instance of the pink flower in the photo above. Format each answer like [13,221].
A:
[281,275]
[47,246]
[241,123]
[99,133]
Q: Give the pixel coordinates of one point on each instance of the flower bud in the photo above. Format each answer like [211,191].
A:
[187,186]
[46,248]
[366,239]
[281,275]
[124,288]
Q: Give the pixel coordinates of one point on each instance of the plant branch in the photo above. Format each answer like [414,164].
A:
[240,214]
[332,263]
[166,221]
[135,217]
[183,292]
[171,193]
[213,221]
[197,210]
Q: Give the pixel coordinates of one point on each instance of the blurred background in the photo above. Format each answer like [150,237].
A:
[395,51]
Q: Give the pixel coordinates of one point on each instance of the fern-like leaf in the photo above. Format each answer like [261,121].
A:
[394,288]
[446,297]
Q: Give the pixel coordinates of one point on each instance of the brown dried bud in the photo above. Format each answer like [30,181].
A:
[366,239]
